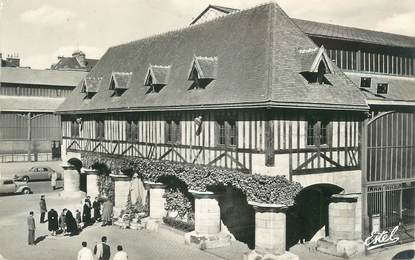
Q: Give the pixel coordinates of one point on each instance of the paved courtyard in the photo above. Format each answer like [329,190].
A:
[138,244]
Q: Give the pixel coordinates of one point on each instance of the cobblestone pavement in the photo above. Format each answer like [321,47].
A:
[138,244]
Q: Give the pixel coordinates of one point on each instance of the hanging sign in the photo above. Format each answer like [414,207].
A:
[198,124]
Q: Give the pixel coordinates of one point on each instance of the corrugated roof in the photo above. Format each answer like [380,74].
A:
[399,89]
[257,64]
[41,77]
[354,34]
[29,104]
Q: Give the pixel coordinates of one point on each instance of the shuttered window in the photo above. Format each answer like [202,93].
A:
[131,130]
[226,133]
[318,132]
[99,129]
[173,133]
[74,129]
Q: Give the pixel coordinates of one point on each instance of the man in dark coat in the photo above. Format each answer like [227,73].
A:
[43,208]
[86,212]
[53,224]
[71,226]
[102,251]
[97,209]
[31,228]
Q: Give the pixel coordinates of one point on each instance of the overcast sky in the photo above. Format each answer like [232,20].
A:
[40,30]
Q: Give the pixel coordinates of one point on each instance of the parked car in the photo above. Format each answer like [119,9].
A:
[10,186]
[36,174]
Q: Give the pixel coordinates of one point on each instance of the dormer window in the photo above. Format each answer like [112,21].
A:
[156,78]
[315,65]
[90,86]
[120,82]
[202,71]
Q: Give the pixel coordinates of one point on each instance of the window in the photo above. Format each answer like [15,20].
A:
[222,132]
[8,182]
[324,132]
[99,129]
[310,132]
[382,88]
[365,82]
[131,130]
[226,133]
[173,133]
[74,129]
[318,132]
[320,73]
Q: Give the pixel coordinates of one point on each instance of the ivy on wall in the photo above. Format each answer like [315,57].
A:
[258,188]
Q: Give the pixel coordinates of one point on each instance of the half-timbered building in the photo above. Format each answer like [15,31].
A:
[253,91]
[383,66]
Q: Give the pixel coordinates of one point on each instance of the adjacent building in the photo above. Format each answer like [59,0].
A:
[77,62]
[29,127]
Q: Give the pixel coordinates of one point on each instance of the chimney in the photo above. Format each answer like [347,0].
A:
[14,59]
[80,57]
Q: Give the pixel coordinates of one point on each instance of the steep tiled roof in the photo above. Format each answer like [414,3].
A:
[399,89]
[29,104]
[257,65]
[41,77]
[333,31]
[71,63]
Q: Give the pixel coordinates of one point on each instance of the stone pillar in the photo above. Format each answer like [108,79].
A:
[121,189]
[270,233]
[207,233]
[92,188]
[157,203]
[345,231]
[70,181]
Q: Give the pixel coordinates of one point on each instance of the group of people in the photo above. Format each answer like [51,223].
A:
[69,223]
[102,251]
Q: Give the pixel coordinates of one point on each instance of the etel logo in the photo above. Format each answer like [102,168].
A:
[377,239]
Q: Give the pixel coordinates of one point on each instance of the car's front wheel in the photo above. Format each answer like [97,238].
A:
[25,178]
[26,191]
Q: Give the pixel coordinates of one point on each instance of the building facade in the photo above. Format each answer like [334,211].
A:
[255,91]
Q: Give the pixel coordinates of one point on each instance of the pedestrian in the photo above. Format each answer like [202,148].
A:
[107,213]
[31,228]
[102,251]
[62,221]
[53,179]
[53,224]
[71,226]
[78,218]
[43,209]
[86,212]
[97,209]
[85,253]
[120,255]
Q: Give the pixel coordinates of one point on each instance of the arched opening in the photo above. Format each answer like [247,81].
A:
[82,177]
[309,215]
[237,216]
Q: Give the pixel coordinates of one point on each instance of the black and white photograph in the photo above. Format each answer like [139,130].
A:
[207,130]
